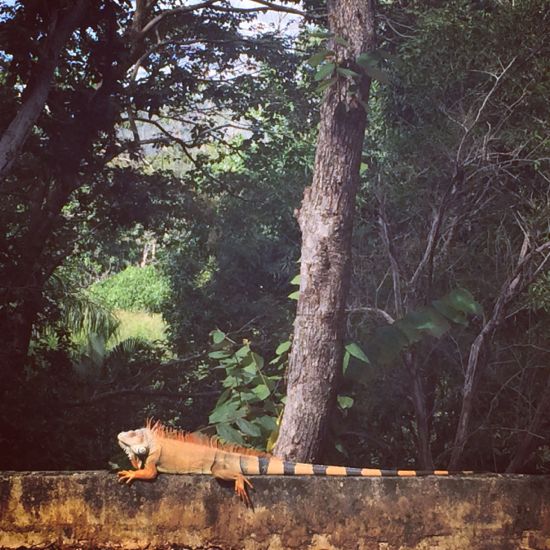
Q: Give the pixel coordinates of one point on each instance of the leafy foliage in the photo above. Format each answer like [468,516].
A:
[248,409]
[134,288]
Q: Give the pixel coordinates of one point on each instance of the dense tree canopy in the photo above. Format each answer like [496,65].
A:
[178,138]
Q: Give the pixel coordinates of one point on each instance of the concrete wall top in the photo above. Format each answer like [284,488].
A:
[91,510]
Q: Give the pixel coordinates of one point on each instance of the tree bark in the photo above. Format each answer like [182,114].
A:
[421,414]
[38,87]
[326,220]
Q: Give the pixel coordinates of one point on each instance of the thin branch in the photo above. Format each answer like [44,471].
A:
[268,6]
[471,126]
[182,9]
[433,237]
[394,264]
[185,148]
[133,392]
[285,9]
[378,311]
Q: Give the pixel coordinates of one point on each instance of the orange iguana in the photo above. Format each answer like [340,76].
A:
[156,448]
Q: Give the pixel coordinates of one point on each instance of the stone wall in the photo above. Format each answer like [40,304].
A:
[91,510]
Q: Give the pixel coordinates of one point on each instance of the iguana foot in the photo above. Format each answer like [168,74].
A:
[126,476]
[240,488]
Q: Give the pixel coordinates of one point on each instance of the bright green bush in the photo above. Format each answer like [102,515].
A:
[134,288]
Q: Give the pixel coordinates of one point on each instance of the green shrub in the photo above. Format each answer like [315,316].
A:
[134,288]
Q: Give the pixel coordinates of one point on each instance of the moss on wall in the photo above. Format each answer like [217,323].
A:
[91,510]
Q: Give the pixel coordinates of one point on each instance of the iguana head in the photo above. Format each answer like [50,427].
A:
[136,443]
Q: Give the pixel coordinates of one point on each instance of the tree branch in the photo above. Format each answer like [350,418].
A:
[38,87]
[394,265]
[134,392]
[511,288]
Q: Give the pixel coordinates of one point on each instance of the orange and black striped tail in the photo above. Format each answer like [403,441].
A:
[274,466]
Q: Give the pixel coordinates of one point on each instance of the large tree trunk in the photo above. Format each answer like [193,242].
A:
[326,220]
[36,92]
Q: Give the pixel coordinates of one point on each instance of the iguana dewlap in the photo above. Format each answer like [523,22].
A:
[156,449]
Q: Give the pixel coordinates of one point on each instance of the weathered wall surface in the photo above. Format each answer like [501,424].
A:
[91,510]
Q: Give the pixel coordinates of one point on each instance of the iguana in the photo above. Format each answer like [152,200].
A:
[155,448]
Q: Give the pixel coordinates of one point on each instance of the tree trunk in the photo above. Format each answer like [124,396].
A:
[326,220]
[468,391]
[421,414]
[38,87]
[26,274]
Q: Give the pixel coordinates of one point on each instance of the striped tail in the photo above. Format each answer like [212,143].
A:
[261,465]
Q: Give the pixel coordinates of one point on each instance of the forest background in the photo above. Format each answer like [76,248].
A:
[149,250]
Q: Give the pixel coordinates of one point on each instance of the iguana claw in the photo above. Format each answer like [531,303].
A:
[240,489]
[126,476]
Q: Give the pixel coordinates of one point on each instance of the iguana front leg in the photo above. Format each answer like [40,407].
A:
[240,482]
[149,472]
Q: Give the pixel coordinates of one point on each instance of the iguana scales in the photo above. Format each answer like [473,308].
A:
[155,448]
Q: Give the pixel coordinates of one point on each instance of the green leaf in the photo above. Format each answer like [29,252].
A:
[429,320]
[463,300]
[248,397]
[243,351]
[251,368]
[409,330]
[262,391]
[258,360]
[283,347]
[347,72]
[320,34]
[294,295]
[344,401]
[387,344]
[319,57]
[228,412]
[340,448]
[326,84]
[229,434]
[230,382]
[219,354]
[345,362]
[217,336]
[295,280]
[325,71]
[377,74]
[223,397]
[268,423]
[366,59]
[248,428]
[355,351]
[445,308]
